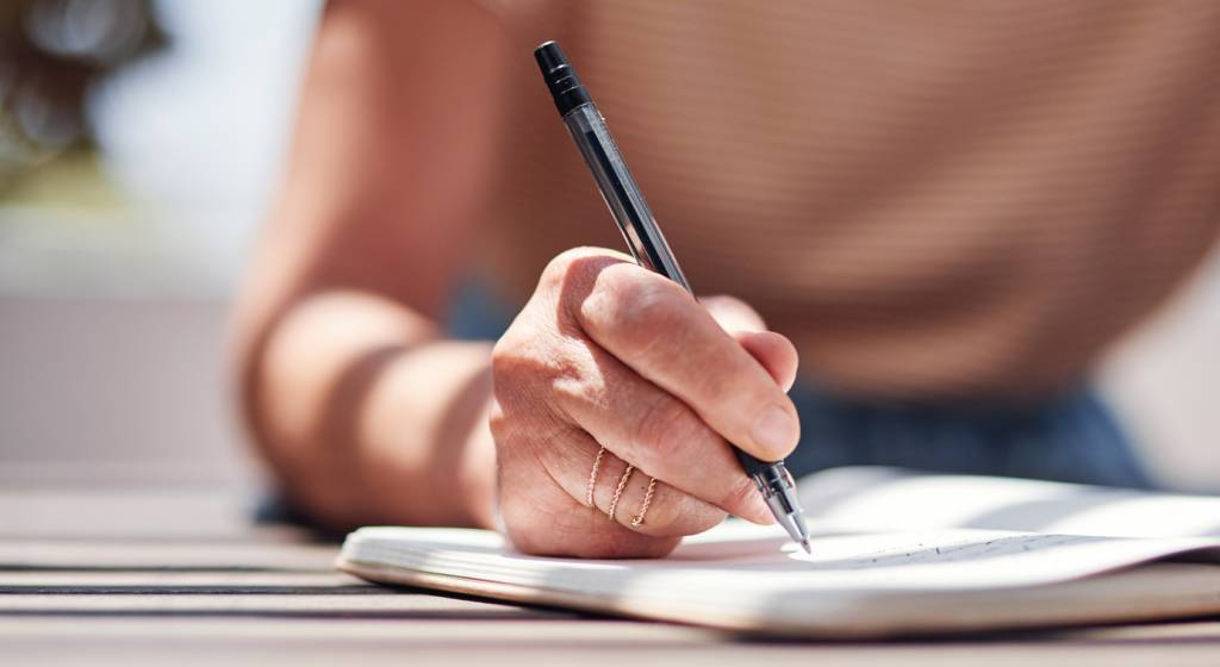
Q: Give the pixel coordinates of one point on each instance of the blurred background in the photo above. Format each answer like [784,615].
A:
[140,142]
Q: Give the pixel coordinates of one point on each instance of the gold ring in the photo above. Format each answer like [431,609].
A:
[639,518]
[618,492]
[597,464]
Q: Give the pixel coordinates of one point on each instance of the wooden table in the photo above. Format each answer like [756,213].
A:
[181,576]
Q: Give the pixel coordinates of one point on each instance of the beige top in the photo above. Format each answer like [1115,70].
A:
[932,198]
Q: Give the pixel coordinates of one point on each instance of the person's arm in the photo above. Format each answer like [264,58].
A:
[363,411]
[368,415]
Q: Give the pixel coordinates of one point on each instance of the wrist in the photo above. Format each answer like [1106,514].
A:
[427,449]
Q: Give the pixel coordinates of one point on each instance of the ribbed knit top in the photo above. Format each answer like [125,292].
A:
[930,198]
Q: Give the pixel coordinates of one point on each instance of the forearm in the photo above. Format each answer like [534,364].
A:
[367,416]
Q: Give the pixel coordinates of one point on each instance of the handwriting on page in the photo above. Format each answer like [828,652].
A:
[931,552]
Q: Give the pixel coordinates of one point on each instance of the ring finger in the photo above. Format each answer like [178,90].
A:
[619,495]
[659,434]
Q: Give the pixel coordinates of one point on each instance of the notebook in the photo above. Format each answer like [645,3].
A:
[895,553]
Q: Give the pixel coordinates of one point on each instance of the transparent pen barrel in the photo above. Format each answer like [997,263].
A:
[621,193]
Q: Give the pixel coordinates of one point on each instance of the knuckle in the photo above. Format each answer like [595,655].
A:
[636,307]
[574,388]
[506,360]
[557,268]
[645,299]
[502,355]
[511,345]
[524,351]
[504,426]
[571,277]
[580,263]
[496,419]
[571,256]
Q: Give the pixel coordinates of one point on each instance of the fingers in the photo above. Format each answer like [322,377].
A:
[621,493]
[541,517]
[660,435]
[656,328]
[607,353]
[732,314]
[775,352]
[619,497]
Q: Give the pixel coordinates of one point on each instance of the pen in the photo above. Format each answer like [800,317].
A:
[648,246]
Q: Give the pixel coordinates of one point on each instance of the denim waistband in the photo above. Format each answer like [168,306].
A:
[1070,437]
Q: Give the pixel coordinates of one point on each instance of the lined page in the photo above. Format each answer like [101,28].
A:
[885,499]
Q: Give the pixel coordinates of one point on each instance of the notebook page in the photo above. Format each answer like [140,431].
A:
[882,499]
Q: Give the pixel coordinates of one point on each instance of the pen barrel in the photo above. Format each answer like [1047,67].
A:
[775,483]
[647,244]
[650,249]
[621,193]
[752,465]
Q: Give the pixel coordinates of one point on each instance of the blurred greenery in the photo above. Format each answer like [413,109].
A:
[51,53]
[71,179]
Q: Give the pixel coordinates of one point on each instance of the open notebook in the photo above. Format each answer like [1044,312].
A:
[893,554]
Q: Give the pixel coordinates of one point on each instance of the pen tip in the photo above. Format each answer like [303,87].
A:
[806,547]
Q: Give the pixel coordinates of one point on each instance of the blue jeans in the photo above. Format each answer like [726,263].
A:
[1071,437]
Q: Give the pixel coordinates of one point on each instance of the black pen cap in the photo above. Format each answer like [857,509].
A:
[560,78]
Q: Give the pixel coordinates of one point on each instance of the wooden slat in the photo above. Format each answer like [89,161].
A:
[457,642]
[368,603]
[42,582]
[55,555]
[11,581]
[145,577]
[166,514]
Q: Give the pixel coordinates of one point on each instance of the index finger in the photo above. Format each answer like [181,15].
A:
[659,330]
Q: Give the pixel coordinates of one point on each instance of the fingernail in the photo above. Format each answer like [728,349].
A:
[776,431]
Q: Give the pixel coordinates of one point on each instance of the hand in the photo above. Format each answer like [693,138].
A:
[607,353]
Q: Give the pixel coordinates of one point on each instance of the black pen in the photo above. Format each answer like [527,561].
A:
[648,245]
